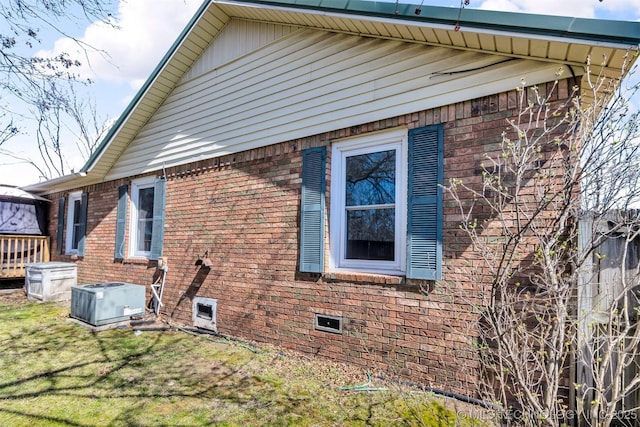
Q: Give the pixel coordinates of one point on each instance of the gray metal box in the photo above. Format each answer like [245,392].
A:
[50,281]
[105,303]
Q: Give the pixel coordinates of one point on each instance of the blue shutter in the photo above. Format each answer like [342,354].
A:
[121,221]
[60,234]
[157,233]
[312,210]
[82,226]
[424,205]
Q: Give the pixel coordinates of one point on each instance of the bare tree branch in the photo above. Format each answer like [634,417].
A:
[550,200]
[45,86]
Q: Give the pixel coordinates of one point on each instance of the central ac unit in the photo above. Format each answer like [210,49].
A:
[105,303]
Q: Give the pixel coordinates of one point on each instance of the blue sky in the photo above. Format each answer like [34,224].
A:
[148,27]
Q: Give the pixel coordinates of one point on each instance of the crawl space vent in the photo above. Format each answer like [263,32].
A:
[327,323]
[204,313]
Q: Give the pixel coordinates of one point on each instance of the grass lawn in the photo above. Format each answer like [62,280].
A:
[54,372]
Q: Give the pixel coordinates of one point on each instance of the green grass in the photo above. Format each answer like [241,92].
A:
[54,372]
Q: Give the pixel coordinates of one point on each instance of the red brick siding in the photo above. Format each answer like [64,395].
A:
[244,210]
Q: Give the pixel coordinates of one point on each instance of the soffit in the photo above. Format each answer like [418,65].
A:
[558,39]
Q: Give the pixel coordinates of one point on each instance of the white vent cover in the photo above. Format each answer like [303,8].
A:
[204,313]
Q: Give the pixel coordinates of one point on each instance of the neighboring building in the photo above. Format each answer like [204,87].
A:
[23,231]
[299,148]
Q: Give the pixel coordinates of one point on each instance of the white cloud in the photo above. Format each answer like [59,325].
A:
[501,5]
[144,30]
[605,9]
[628,10]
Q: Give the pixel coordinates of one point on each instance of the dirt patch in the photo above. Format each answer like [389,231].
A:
[12,296]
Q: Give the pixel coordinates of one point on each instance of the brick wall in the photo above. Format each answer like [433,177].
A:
[244,210]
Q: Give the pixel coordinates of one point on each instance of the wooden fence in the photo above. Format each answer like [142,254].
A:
[18,250]
[609,280]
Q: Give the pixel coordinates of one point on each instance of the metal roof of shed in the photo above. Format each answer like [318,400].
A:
[9,192]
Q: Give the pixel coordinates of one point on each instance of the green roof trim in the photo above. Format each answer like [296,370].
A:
[595,30]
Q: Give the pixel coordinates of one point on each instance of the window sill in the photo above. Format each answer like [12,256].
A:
[138,261]
[360,277]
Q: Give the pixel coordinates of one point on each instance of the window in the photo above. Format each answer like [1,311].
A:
[146,229]
[368,208]
[386,204]
[76,224]
[142,218]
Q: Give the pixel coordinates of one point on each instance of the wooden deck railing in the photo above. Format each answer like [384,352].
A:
[18,250]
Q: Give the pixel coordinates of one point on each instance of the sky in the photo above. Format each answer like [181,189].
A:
[126,55]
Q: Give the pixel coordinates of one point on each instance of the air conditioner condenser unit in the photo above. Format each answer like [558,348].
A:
[103,303]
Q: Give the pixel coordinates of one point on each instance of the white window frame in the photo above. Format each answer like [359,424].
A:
[73,197]
[136,186]
[396,139]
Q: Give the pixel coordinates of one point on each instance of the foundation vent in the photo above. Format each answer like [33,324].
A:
[327,323]
[204,313]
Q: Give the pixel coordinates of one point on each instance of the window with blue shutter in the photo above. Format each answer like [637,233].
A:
[312,210]
[424,204]
[121,221]
[386,203]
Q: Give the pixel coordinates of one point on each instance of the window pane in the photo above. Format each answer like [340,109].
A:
[371,179]
[145,203]
[76,211]
[76,224]
[371,234]
[144,234]
[145,219]
[76,236]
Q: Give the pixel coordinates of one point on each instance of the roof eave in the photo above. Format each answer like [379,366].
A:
[62,183]
[577,29]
